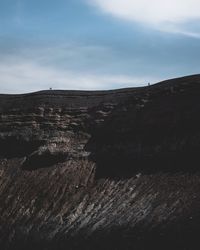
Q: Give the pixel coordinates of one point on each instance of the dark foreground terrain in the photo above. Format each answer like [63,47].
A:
[101,170]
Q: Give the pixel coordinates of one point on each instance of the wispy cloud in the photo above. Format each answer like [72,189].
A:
[170,16]
[28,76]
[32,70]
[65,66]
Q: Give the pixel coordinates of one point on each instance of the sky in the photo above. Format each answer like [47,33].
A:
[96,44]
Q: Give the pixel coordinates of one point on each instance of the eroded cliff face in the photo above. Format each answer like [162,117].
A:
[101,170]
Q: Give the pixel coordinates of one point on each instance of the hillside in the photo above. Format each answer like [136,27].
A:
[116,169]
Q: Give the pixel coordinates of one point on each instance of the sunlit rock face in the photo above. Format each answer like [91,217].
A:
[101,170]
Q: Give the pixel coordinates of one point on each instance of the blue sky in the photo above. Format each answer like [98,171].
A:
[96,44]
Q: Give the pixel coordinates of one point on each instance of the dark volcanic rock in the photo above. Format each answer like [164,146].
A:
[101,170]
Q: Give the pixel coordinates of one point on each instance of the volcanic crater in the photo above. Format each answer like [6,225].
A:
[116,169]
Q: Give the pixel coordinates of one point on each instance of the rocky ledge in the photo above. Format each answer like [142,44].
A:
[101,170]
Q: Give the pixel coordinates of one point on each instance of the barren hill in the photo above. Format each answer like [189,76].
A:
[109,170]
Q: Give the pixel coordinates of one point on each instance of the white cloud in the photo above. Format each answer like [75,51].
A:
[168,15]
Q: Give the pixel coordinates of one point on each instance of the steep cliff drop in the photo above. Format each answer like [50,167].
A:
[98,170]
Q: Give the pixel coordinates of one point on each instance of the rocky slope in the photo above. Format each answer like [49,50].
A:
[101,170]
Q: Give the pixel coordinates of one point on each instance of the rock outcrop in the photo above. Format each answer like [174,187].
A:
[101,170]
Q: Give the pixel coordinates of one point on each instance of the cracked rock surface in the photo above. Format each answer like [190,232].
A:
[109,170]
